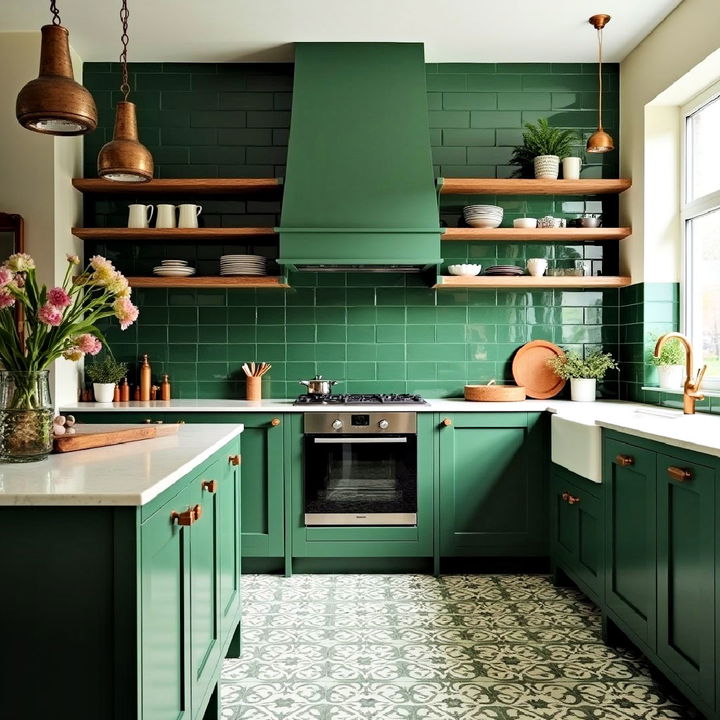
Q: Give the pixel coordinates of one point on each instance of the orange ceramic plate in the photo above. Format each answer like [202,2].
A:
[530,369]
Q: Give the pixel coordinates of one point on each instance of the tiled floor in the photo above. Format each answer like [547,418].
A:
[412,647]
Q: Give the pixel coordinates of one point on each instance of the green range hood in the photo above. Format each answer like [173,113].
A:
[359,189]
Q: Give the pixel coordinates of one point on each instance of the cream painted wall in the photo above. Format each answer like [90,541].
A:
[676,61]
[35,182]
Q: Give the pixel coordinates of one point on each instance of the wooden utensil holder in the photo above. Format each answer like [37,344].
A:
[253,388]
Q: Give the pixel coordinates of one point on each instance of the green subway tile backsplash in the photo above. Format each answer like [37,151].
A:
[387,333]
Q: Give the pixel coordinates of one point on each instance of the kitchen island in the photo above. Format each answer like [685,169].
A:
[126,562]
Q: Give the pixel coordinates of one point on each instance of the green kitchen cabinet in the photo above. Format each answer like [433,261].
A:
[631,537]
[685,562]
[576,530]
[492,484]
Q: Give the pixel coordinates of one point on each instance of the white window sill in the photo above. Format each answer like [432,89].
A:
[679,391]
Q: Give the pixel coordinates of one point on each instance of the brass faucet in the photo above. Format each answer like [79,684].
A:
[691,390]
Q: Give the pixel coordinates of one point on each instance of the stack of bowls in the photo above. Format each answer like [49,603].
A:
[483,216]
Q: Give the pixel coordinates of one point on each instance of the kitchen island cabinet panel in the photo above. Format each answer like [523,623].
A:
[492,485]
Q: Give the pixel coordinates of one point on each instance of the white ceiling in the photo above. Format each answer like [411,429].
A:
[264,30]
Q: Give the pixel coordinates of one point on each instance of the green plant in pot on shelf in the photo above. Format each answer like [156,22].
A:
[583,373]
[670,364]
[542,150]
[105,375]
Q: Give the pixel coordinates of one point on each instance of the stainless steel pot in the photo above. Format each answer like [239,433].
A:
[318,385]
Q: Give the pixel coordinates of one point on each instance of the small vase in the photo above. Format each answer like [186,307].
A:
[26,414]
[104,392]
[671,377]
[571,168]
[582,389]
[547,167]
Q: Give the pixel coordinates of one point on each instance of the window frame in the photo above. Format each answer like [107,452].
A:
[689,210]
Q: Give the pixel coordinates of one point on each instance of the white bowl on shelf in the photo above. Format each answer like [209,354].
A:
[464,269]
[525,222]
[478,222]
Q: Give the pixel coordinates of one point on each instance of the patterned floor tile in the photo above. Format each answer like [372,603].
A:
[414,647]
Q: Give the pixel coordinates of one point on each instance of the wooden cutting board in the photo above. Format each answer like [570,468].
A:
[95,436]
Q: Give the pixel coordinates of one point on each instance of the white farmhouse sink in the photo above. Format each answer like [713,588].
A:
[577,446]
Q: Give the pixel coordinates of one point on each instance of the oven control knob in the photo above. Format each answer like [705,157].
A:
[337,424]
[383,424]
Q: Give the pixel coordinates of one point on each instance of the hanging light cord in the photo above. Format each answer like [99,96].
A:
[600,84]
[124,15]
[55,12]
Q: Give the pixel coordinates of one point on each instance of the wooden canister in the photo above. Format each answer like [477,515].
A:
[253,388]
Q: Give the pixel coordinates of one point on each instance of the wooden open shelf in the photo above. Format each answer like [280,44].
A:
[234,281]
[177,186]
[155,234]
[520,186]
[537,234]
[527,281]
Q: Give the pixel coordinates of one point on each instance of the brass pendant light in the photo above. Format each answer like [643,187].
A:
[53,103]
[124,158]
[600,141]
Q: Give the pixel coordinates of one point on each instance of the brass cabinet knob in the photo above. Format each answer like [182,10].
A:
[187,517]
[197,512]
[210,485]
[624,460]
[679,474]
[447,422]
[564,497]
[275,422]
[234,459]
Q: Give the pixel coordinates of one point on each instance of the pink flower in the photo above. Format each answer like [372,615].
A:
[125,312]
[58,297]
[73,354]
[50,315]
[6,276]
[6,299]
[88,343]
[73,259]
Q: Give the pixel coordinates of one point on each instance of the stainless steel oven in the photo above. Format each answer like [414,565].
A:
[360,468]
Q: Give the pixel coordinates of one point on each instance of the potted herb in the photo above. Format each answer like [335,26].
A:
[105,374]
[583,373]
[670,365]
[542,150]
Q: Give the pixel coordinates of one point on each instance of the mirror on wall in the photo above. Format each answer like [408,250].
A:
[12,240]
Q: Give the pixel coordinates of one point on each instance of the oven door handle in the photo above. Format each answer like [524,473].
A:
[358,440]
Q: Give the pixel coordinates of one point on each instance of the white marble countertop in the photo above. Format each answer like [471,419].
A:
[129,474]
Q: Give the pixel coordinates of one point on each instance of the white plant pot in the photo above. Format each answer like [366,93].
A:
[671,377]
[547,167]
[571,168]
[104,392]
[583,389]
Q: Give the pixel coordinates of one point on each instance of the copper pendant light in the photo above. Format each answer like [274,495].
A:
[124,158]
[54,103]
[600,141]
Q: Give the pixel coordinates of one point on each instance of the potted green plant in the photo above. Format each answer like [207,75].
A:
[670,364]
[583,373]
[105,374]
[542,150]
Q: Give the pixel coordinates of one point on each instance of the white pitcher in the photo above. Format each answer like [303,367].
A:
[139,216]
[189,216]
[165,216]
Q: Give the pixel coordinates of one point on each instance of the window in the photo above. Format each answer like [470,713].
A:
[701,230]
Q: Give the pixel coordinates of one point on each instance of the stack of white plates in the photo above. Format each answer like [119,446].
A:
[504,270]
[174,268]
[483,216]
[243,265]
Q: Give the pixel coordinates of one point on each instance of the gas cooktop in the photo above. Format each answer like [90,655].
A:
[364,399]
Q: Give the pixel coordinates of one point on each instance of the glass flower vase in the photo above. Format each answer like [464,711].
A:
[26,415]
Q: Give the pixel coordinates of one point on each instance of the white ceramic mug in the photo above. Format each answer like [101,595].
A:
[188,217]
[571,168]
[139,216]
[166,216]
[537,266]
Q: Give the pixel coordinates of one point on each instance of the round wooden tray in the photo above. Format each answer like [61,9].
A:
[494,393]
[530,369]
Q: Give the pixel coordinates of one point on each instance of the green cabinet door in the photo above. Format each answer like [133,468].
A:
[563,522]
[492,485]
[686,559]
[262,494]
[630,537]
[165,606]
[228,545]
[205,646]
